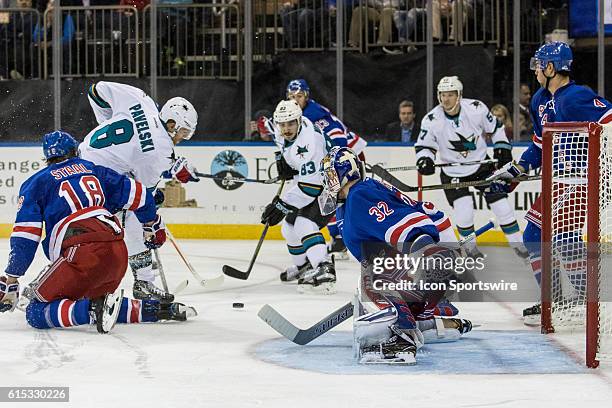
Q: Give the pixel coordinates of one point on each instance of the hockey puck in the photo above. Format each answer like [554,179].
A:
[238,305]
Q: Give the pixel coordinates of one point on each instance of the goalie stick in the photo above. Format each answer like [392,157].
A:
[304,336]
[389,178]
[408,168]
[235,273]
[231,179]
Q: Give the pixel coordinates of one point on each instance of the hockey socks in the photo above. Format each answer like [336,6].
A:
[68,313]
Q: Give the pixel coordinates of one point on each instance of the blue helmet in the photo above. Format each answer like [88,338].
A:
[298,85]
[559,53]
[58,144]
[339,167]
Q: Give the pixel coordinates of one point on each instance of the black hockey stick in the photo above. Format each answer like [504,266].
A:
[471,163]
[304,336]
[235,273]
[229,179]
[389,178]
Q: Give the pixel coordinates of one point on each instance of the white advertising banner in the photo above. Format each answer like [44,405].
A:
[242,203]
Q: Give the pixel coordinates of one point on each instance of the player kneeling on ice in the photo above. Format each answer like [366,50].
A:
[374,217]
[302,147]
[76,199]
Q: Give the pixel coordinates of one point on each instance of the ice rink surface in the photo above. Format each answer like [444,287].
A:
[230,358]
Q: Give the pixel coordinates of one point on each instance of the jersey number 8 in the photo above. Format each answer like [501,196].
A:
[115,133]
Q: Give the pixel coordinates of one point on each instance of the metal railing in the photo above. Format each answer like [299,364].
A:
[96,40]
[20,43]
[196,40]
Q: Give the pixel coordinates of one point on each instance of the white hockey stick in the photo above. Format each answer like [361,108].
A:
[206,283]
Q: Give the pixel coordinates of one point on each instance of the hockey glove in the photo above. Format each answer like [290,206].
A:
[183,171]
[502,153]
[276,211]
[285,172]
[426,166]
[500,179]
[9,295]
[155,233]
[159,198]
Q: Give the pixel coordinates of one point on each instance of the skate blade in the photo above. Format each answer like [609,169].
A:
[388,361]
[112,301]
[326,288]
[532,320]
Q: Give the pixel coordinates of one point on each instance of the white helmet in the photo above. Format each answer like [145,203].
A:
[286,111]
[181,111]
[449,84]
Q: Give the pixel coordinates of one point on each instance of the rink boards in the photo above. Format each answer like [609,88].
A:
[232,211]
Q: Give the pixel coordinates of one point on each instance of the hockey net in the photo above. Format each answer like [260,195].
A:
[577,234]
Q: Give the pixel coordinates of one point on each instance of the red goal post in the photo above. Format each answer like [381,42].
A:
[576,234]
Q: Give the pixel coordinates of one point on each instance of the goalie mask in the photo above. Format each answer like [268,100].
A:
[339,167]
[182,112]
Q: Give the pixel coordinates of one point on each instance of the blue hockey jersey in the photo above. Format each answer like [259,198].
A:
[65,192]
[327,122]
[570,103]
[377,213]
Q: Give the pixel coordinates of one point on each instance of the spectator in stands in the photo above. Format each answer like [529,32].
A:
[17,54]
[260,127]
[406,130]
[407,21]
[524,101]
[138,4]
[305,23]
[525,126]
[374,13]
[503,115]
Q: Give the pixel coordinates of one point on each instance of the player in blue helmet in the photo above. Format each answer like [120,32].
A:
[375,218]
[73,201]
[339,134]
[559,99]
[57,144]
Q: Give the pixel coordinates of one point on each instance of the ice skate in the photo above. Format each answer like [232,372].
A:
[144,290]
[319,280]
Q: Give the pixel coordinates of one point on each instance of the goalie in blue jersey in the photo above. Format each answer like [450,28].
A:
[374,217]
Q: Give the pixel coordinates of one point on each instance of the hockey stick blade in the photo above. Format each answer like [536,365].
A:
[304,336]
[235,273]
[181,286]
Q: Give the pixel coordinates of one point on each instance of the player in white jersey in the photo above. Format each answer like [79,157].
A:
[455,130]
[135,138]
[302,147]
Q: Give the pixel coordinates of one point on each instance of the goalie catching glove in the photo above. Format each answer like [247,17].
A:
[155,233]
[500,179]
[183,171]
[9,294]
[276,211]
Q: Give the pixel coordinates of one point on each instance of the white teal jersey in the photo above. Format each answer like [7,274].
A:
[304,155]
[130,137]
[459,138]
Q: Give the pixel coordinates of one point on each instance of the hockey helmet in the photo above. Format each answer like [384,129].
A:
[182,112]
[286,111]
[449,84]
[298,85]
[58,144]
[558,52]
[339,167]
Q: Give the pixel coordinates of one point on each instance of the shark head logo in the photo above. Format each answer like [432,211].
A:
[301,151]
[464,145]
